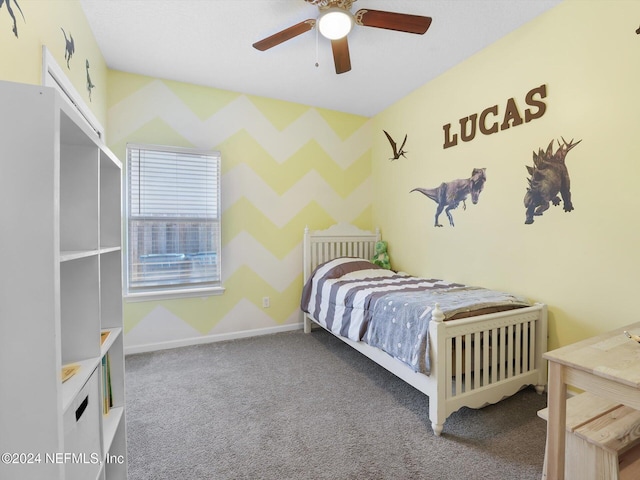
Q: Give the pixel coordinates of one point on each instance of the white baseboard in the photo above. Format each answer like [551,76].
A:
[185,342]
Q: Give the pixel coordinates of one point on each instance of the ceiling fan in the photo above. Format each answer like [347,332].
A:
[335,22]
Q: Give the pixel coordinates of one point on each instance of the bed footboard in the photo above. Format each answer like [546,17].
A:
[491,357]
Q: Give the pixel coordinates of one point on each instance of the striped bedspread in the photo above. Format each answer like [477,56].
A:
[356,299]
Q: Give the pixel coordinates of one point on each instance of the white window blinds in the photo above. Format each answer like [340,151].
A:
[173,218]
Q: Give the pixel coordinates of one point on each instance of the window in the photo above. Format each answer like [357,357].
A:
[172,220]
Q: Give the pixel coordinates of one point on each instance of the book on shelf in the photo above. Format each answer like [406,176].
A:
[107,394]
[104,335]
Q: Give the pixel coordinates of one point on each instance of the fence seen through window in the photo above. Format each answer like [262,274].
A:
[173,218]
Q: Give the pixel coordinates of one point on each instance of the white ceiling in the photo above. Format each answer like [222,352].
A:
[208,42]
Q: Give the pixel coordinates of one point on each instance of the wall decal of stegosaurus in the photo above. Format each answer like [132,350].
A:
[549,177]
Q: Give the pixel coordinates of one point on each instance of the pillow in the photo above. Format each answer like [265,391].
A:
[332,269]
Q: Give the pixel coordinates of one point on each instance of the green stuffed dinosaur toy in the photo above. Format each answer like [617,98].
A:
[381,258]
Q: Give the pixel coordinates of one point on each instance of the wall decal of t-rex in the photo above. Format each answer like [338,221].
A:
[549,177]
[449,194]
[69,47]
[13,17]
[397,152]
[90,85]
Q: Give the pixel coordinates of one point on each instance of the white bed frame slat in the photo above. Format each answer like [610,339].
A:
[502,352]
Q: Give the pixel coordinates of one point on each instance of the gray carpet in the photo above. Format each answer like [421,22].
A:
[296,406]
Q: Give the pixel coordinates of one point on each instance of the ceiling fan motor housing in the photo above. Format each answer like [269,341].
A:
[325,4]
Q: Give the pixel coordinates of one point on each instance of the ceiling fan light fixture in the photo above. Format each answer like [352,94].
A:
[335,23]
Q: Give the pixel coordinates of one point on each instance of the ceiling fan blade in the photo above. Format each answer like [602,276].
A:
[284,35]
[401,22]
[341,57]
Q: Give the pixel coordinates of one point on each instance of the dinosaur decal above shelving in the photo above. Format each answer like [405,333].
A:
[90,85]
[13,16]
[69,47]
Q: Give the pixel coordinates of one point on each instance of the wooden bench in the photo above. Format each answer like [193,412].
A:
[602,441]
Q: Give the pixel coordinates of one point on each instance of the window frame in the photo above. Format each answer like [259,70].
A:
[176,290]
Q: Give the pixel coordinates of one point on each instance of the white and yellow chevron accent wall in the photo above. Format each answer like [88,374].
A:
[284,166]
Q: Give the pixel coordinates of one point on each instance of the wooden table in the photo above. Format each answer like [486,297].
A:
[607,365]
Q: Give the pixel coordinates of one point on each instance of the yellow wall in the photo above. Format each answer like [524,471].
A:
[21,56]
[584,264]
[284,166]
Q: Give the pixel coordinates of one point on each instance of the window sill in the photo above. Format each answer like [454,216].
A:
[173,294]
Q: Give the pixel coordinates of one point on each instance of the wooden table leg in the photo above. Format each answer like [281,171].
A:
[556,425]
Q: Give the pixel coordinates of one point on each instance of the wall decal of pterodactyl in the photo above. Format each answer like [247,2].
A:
[13,17]
[69,46]
[397,152]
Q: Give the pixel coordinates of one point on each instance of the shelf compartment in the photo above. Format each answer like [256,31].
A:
[110,423]
[116,446]
[114,333]
[79,309]
[110,194]
[111,288]
[78,197]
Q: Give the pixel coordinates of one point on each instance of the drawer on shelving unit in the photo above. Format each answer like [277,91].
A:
[81,423]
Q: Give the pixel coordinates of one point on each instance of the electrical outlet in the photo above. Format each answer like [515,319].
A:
[266,302]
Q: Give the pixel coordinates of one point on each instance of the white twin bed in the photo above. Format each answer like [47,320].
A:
[436,336]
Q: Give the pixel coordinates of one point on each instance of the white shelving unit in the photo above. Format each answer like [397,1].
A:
[61,286]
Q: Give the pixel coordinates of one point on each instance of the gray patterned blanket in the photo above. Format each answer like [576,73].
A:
[391,311]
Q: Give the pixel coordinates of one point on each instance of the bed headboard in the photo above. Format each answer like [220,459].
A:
[339,240]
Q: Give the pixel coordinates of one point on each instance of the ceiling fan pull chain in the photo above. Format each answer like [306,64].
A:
[317,63]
